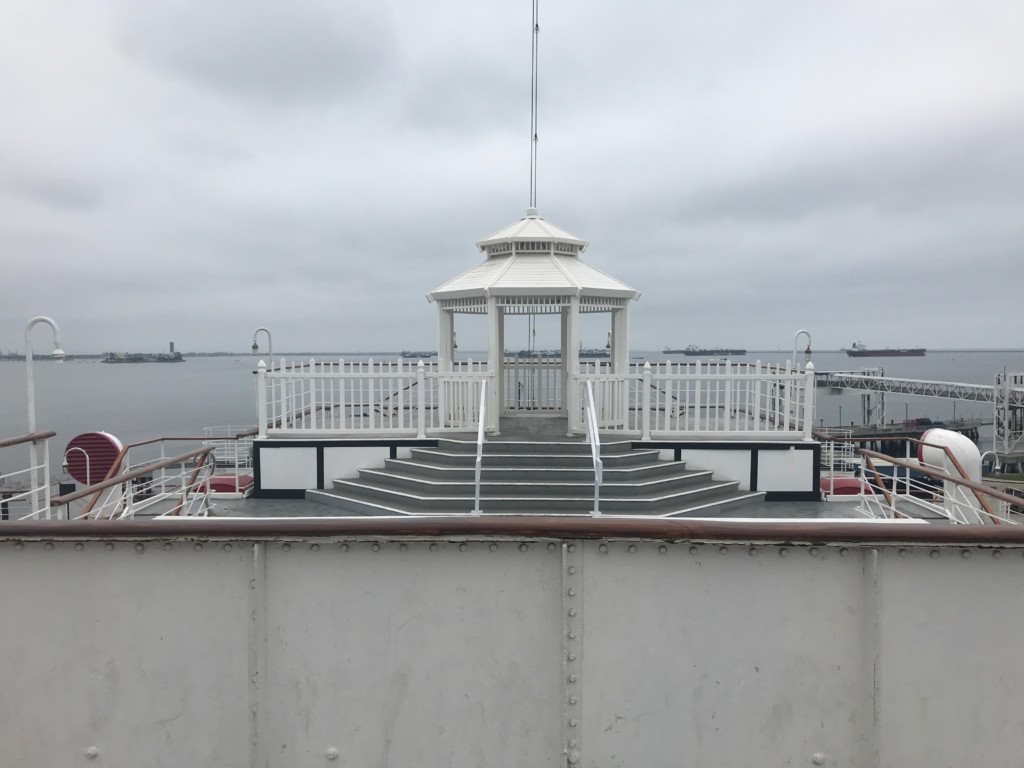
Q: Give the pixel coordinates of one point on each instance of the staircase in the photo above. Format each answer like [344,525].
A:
[533,477]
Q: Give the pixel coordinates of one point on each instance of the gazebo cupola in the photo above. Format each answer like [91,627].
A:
[533,267]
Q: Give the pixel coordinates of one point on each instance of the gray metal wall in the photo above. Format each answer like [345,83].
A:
[508,651]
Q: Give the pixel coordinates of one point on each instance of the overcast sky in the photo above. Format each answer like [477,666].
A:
[189,171]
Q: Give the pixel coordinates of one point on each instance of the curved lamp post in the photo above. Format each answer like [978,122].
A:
[58,355]
[807,351]
[270,343]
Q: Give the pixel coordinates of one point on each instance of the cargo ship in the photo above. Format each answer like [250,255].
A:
[693,351]
[859,350]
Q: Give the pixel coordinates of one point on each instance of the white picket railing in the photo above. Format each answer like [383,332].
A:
[371,397]
[25,492]
[337,398]
[704,399]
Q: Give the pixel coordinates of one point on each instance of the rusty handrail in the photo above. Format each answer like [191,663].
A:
[32,437]
[934,473]
[109,482]
[837,532]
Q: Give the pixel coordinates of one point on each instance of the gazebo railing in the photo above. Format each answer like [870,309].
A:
[721,400]
[703,399]
[367,397]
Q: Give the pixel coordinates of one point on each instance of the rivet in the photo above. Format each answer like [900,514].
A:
[79,547]
[752,551]
[108,546]
[783,552]
[285,547]
[572,657]
[19,545]
[813,552]
[997,553]
[572,678]
[572,611]
[843,551]
[934,554]
[140,547]
[572,569]
[572,592]
[252,583]
[332,753]
[902,553]
[602,548]
[631,548]
[402,547]
[818,758]
[572,547]
[551,546]
[433,547]
[693,550]
[168,546]
[572,743]
[573,723]
[573,700]
[227,547]
[343,547]
[663,549]
[92,753]
[48,545]
[524,547]
[574,758]
[375,547]
[965,554]
[723,550]
[198,545]
[493,547]
[314,547]
[462,547]
[572,635]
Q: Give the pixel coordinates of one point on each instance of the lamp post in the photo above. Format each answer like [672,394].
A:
[807,351]
[270,343]
[58,355]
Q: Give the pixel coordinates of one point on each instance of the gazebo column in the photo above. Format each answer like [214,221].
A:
[445,339]
[619,353]
[494,360]
[571,360]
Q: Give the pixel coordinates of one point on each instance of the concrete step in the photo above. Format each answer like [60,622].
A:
[521,459]
[452,445]
[707,502]
[531,500]
[493,472]
[535,485]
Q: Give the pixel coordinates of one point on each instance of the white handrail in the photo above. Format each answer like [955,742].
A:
[480,443]
[595,447]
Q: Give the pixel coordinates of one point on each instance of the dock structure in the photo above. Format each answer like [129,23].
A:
[1006,395]
[873,382]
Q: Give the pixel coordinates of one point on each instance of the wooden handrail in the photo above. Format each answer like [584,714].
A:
[838,532]
[120,479]
[934,473]
[32,437]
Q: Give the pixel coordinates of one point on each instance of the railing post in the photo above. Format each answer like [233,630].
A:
[421,400]
[261,399]
[645,404]
[46,477]
[809,392]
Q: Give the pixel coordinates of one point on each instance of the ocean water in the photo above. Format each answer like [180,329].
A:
[143,401]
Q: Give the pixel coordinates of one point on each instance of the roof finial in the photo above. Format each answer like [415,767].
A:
[533,111]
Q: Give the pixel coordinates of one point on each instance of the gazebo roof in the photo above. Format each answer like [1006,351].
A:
[531,228]
[532,258]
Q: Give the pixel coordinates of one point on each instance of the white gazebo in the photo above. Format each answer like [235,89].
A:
[533,268]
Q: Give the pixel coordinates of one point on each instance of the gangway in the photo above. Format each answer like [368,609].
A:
[1006,395]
